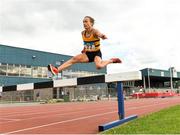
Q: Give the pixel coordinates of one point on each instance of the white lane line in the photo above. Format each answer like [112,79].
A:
[60,122]
[9,119]
[145,106]
[62,114]
[46,112]
[132,108]
[49,112]
[27,111]
[55,115]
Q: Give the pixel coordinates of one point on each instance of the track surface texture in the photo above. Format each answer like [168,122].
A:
[73,118]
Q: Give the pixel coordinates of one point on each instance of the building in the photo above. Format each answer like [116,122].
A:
[159,80]
[20,65]
[153,80]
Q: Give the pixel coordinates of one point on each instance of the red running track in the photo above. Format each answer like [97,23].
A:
[73,118]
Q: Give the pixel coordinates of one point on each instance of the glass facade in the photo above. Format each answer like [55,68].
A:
[18,70]
[12,70]
[22,70]
[77,73]
[25,71]
[3,69]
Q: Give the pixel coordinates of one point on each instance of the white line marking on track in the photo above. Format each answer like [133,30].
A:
[85,117]
[128,108]
[46,112]
[145,106]
[62,114]
[65,121]
[9,119]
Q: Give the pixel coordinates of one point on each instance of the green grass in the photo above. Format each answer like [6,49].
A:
[166,121]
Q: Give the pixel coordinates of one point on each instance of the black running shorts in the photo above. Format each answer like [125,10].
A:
[92,55]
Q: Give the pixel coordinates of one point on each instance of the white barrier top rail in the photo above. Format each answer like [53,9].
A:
[117,77]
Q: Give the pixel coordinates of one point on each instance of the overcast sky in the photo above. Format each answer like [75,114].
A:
[143,33]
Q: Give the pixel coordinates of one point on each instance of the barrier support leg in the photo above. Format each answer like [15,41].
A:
[120,96]
[121,111]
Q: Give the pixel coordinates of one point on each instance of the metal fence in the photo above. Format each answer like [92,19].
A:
[86,92]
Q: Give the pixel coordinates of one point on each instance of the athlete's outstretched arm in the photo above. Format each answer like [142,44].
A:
[100,35]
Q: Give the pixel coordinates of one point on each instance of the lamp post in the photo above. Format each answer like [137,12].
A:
[144,82]
[149,83]
[171,81]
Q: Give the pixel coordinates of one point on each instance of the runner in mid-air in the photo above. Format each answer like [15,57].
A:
[91,51]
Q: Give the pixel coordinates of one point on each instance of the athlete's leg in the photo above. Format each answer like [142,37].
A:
[81,58]
[100,63]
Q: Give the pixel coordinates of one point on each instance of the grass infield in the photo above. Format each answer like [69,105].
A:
[166,121]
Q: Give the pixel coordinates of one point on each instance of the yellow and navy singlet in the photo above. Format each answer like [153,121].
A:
[91,43]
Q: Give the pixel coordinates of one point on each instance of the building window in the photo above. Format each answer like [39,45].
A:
[37,72]
[25,70]
[162,73]
[3,68]
[13,70]
[44,72]
[76,73]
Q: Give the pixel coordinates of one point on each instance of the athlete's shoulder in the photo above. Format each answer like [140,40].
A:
[95,32]
[82,32]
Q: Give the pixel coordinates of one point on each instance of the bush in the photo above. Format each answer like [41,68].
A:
[52,101]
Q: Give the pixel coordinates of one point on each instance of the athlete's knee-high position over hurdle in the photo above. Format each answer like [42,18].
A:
[91,51]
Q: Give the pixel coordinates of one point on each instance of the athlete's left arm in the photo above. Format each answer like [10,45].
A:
[99,34]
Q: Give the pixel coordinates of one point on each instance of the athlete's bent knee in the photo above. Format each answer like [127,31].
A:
[98,66]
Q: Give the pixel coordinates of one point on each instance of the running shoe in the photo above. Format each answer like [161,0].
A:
[53,69]
[116,60]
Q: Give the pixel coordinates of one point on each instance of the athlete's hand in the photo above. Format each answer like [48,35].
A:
[83,51]
[104,37]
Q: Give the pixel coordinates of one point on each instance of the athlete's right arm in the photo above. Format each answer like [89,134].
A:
[99,34]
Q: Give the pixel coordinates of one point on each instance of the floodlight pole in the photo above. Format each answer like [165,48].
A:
[149,83]
[171,81]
